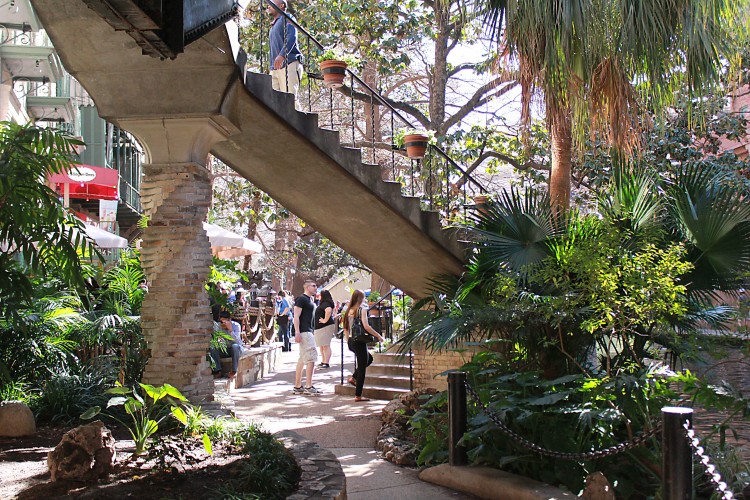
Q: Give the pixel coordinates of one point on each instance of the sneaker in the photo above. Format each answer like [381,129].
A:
[323,366]
[312,391]
[298,390]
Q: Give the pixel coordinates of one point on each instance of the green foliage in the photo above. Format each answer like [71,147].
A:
[335,55]
[268,471]
[62,399]
[587,413]
[580,293]
[146,411]
[39,236]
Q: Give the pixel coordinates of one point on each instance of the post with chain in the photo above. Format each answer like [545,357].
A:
[456,417]
[677,459]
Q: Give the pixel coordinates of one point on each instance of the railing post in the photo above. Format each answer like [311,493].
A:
[456,417]
[677,458]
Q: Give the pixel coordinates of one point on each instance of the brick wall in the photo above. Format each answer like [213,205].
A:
[176,257]
[428,366]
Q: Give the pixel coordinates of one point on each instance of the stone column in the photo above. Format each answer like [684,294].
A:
[176,254]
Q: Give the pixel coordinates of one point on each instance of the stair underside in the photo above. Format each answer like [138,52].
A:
[280,150]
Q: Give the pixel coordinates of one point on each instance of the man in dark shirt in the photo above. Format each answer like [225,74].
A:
[304,317]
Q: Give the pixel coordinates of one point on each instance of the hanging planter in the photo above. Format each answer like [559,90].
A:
[416,145]
[333,72]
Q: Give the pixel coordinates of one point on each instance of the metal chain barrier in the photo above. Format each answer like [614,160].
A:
[591,455]
[705,460]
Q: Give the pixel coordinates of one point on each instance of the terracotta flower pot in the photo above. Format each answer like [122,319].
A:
[480,202]
[416,145]
[333,73]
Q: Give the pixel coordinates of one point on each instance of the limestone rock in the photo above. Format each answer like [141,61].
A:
[394,439]
[16,419]
[598,488]
[84,453]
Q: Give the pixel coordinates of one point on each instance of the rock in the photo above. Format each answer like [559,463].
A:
[394,439]
[598,488]
[16,419]
[84,453]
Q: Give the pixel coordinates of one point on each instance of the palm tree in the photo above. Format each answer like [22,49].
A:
[600,62]
[37,235]
[694,214]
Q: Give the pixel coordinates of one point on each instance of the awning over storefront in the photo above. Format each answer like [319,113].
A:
[88,182]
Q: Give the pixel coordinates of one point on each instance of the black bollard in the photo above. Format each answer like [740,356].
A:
[456,417]
[677,456]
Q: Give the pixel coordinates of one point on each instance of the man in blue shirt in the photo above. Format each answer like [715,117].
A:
[286,59]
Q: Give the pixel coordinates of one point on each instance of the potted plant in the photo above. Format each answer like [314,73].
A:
[372,299]
[414,141]
[333,67]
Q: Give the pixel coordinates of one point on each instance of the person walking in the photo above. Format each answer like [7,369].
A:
[325,327]
[304,325]
[356,313]
[283,314]
[286,59]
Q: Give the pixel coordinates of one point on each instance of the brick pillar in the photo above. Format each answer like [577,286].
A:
[176,254]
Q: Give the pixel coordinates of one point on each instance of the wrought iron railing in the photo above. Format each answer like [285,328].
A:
[365,119]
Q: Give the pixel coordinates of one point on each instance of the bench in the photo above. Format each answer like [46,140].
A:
[254,364]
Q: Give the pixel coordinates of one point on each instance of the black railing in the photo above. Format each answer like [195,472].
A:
[367,120]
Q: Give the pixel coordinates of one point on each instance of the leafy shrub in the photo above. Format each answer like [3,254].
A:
[269,471]
[62,399]
[587,413]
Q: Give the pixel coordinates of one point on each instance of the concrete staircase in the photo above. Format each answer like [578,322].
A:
[387,378]
[204,101]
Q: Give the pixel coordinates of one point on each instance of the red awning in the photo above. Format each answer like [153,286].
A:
[88,182]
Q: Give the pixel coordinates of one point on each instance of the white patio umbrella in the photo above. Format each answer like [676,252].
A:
[228,245]
[105,239]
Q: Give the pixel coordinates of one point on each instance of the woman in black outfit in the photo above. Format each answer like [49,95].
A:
[364,358]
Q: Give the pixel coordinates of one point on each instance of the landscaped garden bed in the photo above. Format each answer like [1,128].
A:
[245,463]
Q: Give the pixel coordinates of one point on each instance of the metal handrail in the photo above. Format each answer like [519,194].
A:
[461,175]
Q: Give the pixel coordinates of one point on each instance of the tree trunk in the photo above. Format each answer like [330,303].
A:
[438,72]
[561,139]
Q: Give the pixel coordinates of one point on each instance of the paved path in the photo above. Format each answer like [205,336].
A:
[337,423]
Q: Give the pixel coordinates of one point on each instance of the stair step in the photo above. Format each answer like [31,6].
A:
[389,358]
[372,392]
[392,370]
[397,382]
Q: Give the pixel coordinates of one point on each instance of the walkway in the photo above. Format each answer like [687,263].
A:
[337,423]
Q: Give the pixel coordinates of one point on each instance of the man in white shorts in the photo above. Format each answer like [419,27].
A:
[304,317]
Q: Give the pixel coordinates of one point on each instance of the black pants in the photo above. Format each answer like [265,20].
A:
[363,360]
[283,322]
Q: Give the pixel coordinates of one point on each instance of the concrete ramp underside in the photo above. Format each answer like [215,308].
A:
[265,139]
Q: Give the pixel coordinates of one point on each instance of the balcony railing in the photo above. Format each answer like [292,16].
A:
[365,119]
[24,37]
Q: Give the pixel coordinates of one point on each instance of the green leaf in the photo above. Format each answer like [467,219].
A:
[179,414]
[117,401]
[173,391]
[132,405]
[207,444]
[150,428]
[118,390]
[550,398]
[91,413]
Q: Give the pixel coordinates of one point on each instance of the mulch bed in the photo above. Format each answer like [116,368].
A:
[130,478]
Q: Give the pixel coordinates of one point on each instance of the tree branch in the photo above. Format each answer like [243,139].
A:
[401,106]
[480,98]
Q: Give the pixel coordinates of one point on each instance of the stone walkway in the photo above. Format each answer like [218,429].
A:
[337,423]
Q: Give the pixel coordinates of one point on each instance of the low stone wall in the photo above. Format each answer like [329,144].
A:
[255,363]
[322,475]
